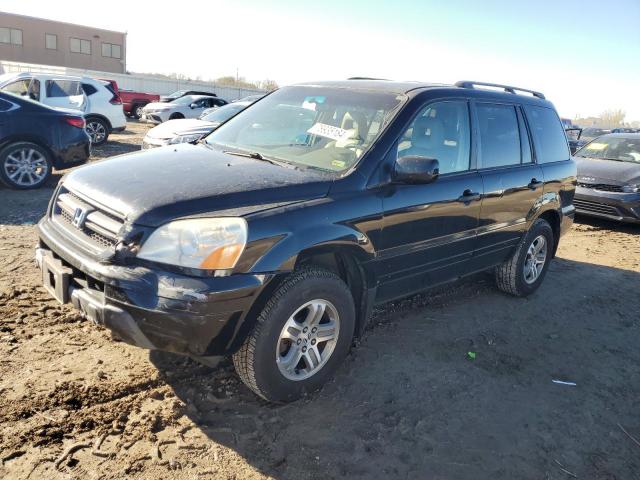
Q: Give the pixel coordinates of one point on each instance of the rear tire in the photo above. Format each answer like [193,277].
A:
[301,337]
[24,165]
[98,130]
[524,271]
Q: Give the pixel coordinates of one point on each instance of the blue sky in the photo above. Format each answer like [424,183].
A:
[582,54]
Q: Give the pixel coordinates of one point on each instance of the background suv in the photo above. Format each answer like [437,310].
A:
[188,106]
[273,238]
[35,138]
[96,99]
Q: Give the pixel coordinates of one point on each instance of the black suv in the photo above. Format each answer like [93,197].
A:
[272,238]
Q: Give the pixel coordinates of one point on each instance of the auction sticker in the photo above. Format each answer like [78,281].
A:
[329,131]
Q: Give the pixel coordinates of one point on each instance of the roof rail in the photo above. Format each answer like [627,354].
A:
[507,88]
[365,78]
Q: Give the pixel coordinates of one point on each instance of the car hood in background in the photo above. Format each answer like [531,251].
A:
[177,128]
[158,106]
[153,187]
[607,171]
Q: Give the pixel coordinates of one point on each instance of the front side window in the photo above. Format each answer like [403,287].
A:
[19,87]
[317,127]
[499,135]
[51,41]
[440,131]
[549,138]
[621,149]
[63,88]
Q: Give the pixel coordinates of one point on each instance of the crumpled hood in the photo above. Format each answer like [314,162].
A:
[183,126]
[607,171]
[155,186]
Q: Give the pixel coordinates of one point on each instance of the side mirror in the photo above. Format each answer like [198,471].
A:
[415,169]
[193,105]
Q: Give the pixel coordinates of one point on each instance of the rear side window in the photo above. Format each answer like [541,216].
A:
[499,135]
[549,138]
[63,88]
[89,89]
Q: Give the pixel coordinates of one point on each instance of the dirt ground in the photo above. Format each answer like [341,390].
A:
[410,402]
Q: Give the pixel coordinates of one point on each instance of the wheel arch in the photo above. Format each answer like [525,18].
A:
[89,116]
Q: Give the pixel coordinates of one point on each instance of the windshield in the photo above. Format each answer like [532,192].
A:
[223,114]
[186,100]
[613,148]
[325,128]
[591,133]
[177,94]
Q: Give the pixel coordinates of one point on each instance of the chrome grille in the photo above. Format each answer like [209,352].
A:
[86,220]
[603,187]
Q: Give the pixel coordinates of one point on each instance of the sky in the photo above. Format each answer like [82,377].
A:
[583,55]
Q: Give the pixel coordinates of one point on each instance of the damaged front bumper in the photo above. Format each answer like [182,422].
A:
[149,308]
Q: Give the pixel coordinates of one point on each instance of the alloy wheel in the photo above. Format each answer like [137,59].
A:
[307,340]
[96,131]
[535,259]
[26,167]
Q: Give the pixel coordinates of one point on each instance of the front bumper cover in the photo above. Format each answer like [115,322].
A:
[621,207]
[154,309]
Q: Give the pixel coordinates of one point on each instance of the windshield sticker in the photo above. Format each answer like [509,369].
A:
[329,131]
[597,146]
[338,163]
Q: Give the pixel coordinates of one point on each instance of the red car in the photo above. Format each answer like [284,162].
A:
[132,102]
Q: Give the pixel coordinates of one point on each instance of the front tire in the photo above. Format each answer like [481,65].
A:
[98,130]
[24,165]
[301,337]
[524,271]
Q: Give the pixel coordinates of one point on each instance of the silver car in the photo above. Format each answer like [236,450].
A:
[189,106]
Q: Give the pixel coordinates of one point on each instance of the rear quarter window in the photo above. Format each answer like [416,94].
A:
[89,89]
[549,139]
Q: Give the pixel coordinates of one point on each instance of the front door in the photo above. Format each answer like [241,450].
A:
[512,181]
[429,230]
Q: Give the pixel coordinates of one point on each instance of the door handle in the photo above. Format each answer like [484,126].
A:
[469,196]
[534,184]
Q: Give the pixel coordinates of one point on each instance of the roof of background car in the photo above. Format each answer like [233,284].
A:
[622,134]
[416,87]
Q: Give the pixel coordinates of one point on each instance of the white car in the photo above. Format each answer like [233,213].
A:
[100,105]
[189,106]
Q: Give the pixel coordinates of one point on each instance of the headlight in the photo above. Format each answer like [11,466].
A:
[631,188]
[185,138]
[203,243]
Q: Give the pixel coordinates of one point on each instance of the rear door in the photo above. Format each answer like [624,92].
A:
[512,180]
[64,93]
[429,230]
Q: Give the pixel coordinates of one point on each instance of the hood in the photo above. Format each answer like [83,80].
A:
[155,186]
[177,128]
[607,171]
[158,106]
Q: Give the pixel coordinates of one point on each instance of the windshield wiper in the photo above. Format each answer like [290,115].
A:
[255,156]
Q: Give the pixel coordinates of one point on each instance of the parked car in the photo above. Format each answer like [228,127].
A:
[34,139]
[191,130]
[133,102]
[273,238]
[189,106]
[181,93]
[609,178]
[624,130]
[100,104]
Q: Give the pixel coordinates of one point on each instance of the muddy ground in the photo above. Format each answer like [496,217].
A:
[408,403]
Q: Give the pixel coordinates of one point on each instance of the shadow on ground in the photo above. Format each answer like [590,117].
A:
[409,402]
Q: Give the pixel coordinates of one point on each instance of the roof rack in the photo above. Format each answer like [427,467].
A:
[365,78]
[507,88]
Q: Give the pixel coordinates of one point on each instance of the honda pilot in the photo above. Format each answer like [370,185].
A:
[272,238]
